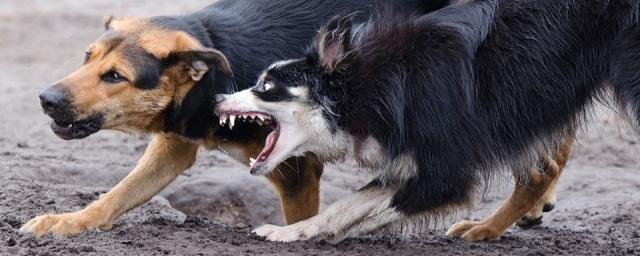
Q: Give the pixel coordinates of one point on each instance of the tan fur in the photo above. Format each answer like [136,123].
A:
[130,109]
[127,25]
[525,196]
[161,42]
[549,197]
[299,191]
[165,158]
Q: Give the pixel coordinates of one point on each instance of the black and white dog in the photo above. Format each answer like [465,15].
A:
[435,104]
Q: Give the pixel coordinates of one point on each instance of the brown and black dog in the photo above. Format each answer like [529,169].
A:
[160,75]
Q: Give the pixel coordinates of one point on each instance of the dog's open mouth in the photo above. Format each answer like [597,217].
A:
[69,130]
[261,119]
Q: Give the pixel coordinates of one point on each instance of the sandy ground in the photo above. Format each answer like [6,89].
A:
[210,209]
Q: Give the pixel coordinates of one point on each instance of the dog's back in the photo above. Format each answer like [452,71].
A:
[488,82]
[254,34]
[436,103]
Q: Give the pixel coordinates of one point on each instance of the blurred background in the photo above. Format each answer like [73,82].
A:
[42,40]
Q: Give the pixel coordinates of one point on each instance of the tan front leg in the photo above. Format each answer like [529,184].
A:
[165,158]
[297,182]
[525,196]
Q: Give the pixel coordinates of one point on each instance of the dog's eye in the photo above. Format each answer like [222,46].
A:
[113,77]
[262,87]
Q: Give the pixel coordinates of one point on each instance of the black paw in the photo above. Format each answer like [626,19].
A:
[548,207]
[525,222]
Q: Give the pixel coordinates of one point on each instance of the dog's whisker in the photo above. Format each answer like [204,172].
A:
[290,166]
[281,174]
[298,169]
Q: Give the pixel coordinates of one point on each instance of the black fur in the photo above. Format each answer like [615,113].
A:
[252,34]
[147,68]
[472,87]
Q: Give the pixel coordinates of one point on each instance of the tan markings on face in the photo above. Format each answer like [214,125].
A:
[177,75]
[122,105]
[128,25]
[160,42]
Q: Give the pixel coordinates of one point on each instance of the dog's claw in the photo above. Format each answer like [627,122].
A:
[526,222]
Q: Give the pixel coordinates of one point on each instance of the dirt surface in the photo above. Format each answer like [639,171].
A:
[209,210]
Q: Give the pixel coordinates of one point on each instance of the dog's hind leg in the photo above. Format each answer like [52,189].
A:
[297,182]
[548,201]
[367,210]
[165,158]
[526,198]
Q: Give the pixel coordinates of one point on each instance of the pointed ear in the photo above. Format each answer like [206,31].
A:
[107,22]
[334,43]
[199,62]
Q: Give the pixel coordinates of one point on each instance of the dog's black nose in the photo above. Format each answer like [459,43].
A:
[54,101]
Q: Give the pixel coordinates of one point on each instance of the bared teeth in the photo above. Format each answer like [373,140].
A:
[252,161]
[232,121]
[258,118]
[223,119]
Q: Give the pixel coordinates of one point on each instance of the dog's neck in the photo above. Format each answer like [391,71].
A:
[245,46]
[246,42]
[340,146]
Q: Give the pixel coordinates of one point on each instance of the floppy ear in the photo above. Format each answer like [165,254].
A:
[334,43]
[199,62]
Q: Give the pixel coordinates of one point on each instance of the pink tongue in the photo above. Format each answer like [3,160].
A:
[268,147]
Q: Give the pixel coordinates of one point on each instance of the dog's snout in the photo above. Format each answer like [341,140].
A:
[54,101]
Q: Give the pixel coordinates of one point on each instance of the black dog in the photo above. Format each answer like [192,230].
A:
[435,104]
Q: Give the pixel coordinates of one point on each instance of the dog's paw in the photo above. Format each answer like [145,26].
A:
[474,231]
[296,232]
[534,216]
[63,224]
[528,221]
